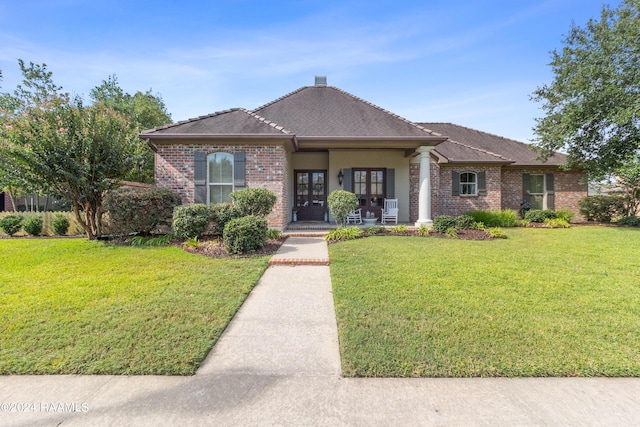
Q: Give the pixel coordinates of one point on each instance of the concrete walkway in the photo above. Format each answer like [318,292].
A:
[278,364]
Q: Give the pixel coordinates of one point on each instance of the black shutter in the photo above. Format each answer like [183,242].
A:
[455,183]
[391,184]
[347,183]
[482,183]
[239,170]
[551,194]
[526,186]
[200,177]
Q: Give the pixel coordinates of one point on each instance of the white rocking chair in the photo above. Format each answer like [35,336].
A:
[355,217]
[390,211]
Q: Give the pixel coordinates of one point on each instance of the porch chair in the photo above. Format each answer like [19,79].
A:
[390,211]
[355,216]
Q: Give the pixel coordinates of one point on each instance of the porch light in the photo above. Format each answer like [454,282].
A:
[340,177]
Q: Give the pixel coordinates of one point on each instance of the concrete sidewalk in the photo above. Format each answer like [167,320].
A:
[278,364]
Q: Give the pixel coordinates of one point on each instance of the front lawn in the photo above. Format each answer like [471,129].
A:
[544,302]
[70,306]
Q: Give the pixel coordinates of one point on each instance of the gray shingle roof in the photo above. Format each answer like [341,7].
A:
[316,111]
[235,121]
[470,145]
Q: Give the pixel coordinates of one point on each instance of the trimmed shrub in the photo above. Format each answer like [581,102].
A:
[220,214]
[501,218]
[539,215]
[464,222]
[254,201]
[340,203]
[33,225]
[274,234]
[140,210]
[344,233]
[602,208]
[60,224]
[442,223]
[629,221]
[11,224]
[245,235]
[191,220]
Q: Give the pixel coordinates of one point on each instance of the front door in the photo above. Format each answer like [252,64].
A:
[311,194]
[369,185]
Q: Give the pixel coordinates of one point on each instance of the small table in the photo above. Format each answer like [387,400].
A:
[369,221]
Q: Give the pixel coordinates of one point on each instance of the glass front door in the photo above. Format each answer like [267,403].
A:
[369,185]
[311,195]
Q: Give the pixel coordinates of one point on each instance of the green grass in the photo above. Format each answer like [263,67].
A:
[544,302]
[70,306]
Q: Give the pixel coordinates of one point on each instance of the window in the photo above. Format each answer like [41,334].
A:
[468,184]
[219,177]
[536,191]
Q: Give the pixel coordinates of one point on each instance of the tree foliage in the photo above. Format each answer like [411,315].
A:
[79,151]
[592,107]
[145,110]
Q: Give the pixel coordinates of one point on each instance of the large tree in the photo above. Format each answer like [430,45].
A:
[145,110]
[592,107]
[80,152]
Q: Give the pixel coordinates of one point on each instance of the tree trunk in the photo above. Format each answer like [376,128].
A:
[12,197]
[85,226]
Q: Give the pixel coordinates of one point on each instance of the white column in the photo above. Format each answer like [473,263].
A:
[424,199]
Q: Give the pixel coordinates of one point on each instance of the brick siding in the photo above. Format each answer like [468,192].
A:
[266,167]
[458,205]
[569,188]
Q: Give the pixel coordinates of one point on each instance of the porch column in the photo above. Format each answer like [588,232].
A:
[424,199]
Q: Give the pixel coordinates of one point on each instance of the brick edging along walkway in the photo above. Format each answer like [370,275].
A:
[299,261]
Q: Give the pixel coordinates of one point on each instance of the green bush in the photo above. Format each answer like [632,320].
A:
[140,210]
[556,223]
[191,220]
[11,224]
[464,222]
[496,233]
[399,229]
[254,201]
[340,203]
[220,214]
[60,224]
[344,233]
[374,229]
[423,231]
[245,235]
[564,214]
[539,215]
[451,232]
[602,208]
[274,234]
[442,223]
[33,225]
[629,221]
[501,218]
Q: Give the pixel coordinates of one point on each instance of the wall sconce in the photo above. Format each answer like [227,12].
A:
[340,177]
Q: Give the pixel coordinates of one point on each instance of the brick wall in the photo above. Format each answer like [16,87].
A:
[569,188]
[266,167]
[8,206]
[457,205]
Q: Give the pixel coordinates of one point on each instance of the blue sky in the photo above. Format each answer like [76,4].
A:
[469,62]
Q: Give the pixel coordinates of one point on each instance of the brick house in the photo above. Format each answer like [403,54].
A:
[319,138]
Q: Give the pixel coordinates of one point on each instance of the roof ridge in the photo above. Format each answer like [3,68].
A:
[267,122]
[193,119]
[486,133]
[279,99]
[480,150]
[386,111]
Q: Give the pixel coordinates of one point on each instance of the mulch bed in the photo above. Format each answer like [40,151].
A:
[215,249]
[462,234]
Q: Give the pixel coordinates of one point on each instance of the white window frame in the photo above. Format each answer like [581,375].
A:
[544,189]
[212,184]
[462,185]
